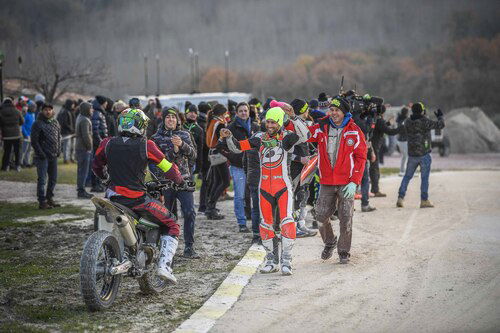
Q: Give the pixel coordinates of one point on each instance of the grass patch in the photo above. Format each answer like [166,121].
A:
[14,327]
[388,171]
[18,272]
[66,174]
[48,313]
[10,212]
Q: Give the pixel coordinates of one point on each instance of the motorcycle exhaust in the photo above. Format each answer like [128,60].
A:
[126,230]
[122,268]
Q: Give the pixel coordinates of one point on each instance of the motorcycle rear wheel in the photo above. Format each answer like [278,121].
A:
[99,288]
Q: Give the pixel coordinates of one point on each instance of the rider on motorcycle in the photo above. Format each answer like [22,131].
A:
[123,161]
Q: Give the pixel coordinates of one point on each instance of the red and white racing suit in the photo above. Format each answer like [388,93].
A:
[276,191]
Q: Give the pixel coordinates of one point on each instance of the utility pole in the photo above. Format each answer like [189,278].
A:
[191,60]
[226,66]
[197,73]
[145,74]
[157,75]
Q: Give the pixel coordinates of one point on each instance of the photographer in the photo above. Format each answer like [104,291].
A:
[177,146]
[381,128]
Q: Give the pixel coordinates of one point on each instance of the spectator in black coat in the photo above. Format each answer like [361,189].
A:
[11,120]
[46,142]
[99,133]
[66,119]
[198,135]
[203,110]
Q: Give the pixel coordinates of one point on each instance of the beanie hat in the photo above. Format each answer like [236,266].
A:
[255,101]
[313,103]
[219,109]
[85,108]
[299,106]
[274,103]
[186,105]
[170,110]
[39,98]
[417,108]
[203,107]
[323,100]
[192,108]
[231,105]
[134,103]
[341,103]
[276,114]
[100,99]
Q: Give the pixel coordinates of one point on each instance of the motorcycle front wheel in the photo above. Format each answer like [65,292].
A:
[99,288]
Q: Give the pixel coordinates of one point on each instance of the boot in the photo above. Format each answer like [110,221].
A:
[271,264]
[400,203]
[328,250]
[379,195]
[52,203]
[367,209]
[426,204]
[344,257]
[214,215]
[84,195]
[286,255]
[243,228]
[190,253]
[304,231]
[168,246]
[44,205]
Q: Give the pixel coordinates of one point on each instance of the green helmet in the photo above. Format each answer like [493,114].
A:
[277,114]
[133,121]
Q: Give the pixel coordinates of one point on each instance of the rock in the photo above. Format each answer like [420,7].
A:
[470,130]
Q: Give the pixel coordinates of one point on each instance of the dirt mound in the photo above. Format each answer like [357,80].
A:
[470,130]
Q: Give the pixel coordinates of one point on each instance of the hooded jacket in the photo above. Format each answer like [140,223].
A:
[198,135]
[10,121]
[185,158]
[29,119]
[351,155]
[46,137]
[99,127]
[66,118]
[418,130]
[83,130]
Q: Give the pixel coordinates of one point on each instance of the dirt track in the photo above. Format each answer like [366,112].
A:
[411,269]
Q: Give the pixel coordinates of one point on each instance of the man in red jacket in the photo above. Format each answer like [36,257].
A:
[342,158]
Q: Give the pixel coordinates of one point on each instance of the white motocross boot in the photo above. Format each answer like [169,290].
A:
[304,231]
[286,255]
[271,264]
[168,246]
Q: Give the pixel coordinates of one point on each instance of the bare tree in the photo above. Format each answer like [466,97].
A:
[53,74]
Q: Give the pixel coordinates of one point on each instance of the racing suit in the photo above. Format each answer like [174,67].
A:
[276,191]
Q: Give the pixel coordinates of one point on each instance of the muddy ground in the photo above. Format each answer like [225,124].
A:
[39,274]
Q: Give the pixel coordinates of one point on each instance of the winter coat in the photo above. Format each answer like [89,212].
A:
[185,158]
[418,131]
[351,155]
[198,135]
[99,127]
[239,133]
[83,131]
[66,119]
[10,121]
[46,137]
[251,164]
[111,122]
[154,123]
[29,119]
[402,134]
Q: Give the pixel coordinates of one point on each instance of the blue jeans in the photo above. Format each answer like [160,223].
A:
[26,151]
[239,182]
[425,169]
[254,194]
[83,159]
[187,206]
[365,186]
[66,147]
[44,168]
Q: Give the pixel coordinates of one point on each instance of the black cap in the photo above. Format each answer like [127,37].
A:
[100,99]
[192,108]
[341,103]
[134,103]
[203,107]
[299,106]
[417,108]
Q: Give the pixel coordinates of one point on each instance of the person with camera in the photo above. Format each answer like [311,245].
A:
[381,127]
[418,130]
[122,162]
[402,140]
[177,146]
[276,194]
[342,158]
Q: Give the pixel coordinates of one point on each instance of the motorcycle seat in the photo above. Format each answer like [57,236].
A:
[127,210]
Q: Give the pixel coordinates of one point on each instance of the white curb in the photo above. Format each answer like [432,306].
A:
[226,295]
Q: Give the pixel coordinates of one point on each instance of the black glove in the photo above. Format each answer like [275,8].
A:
[438,113]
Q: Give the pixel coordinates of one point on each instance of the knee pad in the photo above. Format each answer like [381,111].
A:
[288,227]
[266,231]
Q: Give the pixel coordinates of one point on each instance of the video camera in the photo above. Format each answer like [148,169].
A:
[365,104]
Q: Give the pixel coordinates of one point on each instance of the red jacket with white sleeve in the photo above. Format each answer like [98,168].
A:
[351,156]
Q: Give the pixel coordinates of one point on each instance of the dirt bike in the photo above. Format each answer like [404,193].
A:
[124,244]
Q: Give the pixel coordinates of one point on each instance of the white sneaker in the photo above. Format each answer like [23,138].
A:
[166,274]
